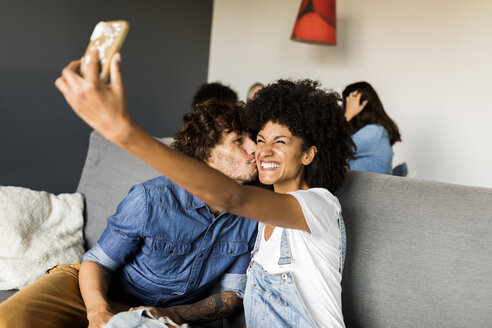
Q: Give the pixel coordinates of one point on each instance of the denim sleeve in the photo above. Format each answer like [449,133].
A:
[122,236]
[96,254]
[235,282]
[367,138]
[235,278]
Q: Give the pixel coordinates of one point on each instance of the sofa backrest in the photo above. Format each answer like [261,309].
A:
[419,253]
[108,174]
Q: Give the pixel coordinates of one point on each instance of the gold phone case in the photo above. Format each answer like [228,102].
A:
[107,38]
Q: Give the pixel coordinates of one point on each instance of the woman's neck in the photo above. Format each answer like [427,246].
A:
[286,187]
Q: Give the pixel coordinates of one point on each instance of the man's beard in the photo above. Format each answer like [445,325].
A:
[251,179]
[233,168]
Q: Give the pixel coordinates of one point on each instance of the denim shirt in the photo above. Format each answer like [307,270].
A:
[164,247]
[374,152]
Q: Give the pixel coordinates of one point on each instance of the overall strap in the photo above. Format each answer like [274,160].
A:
[261,225]
[285,255]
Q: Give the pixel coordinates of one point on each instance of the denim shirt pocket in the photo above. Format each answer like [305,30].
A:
[168,258]
[231,248]
[175,248]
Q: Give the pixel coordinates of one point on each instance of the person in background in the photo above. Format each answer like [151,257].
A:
[373,131]
[253,90]
[217,91]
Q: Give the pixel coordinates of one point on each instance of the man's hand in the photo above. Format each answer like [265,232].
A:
[160,312]
[102,106]
[353,106]
[98,318]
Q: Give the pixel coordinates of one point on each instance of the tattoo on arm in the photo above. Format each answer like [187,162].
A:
[215,307]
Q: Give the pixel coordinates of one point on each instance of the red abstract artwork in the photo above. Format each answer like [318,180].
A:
[316,22]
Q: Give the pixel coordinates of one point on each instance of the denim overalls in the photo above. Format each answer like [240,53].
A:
[272,300]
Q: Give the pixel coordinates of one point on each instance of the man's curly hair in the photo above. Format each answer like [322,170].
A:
[313,114]
[203,128]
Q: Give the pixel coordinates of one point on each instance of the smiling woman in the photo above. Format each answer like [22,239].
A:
[313,116]
[282,158]
[303,150]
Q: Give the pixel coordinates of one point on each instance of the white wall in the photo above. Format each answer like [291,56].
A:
[430,62]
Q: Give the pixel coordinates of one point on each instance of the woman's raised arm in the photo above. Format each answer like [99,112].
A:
[103,107]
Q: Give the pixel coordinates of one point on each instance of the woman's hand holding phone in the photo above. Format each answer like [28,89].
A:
[82,83]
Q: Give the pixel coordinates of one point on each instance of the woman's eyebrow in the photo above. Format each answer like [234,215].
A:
[275,138]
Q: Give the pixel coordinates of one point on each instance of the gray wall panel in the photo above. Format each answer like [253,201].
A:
[165,58]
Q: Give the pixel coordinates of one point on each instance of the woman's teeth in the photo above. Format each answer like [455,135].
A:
[269,165]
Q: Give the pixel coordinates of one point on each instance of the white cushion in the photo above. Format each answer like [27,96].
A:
[38,230]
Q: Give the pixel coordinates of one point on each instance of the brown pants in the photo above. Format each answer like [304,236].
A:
[52,301]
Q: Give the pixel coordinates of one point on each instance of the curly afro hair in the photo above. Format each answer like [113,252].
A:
[313,114]
[204,127]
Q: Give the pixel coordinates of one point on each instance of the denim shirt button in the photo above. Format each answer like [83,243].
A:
[284,276]
[200,255]
[191,282]
[230,251]
[170,251]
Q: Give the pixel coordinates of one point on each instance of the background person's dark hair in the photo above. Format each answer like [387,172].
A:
[312,114]
[253,90]
[217,91]
[373,113]
[203,127]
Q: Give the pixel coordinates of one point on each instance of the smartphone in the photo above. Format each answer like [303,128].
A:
[107,38]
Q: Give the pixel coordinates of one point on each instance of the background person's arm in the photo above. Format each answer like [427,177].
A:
[103,107]
[94,282]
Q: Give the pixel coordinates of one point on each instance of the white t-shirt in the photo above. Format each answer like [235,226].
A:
[316,256]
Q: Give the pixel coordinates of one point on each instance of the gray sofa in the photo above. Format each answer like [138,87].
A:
[419,253]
